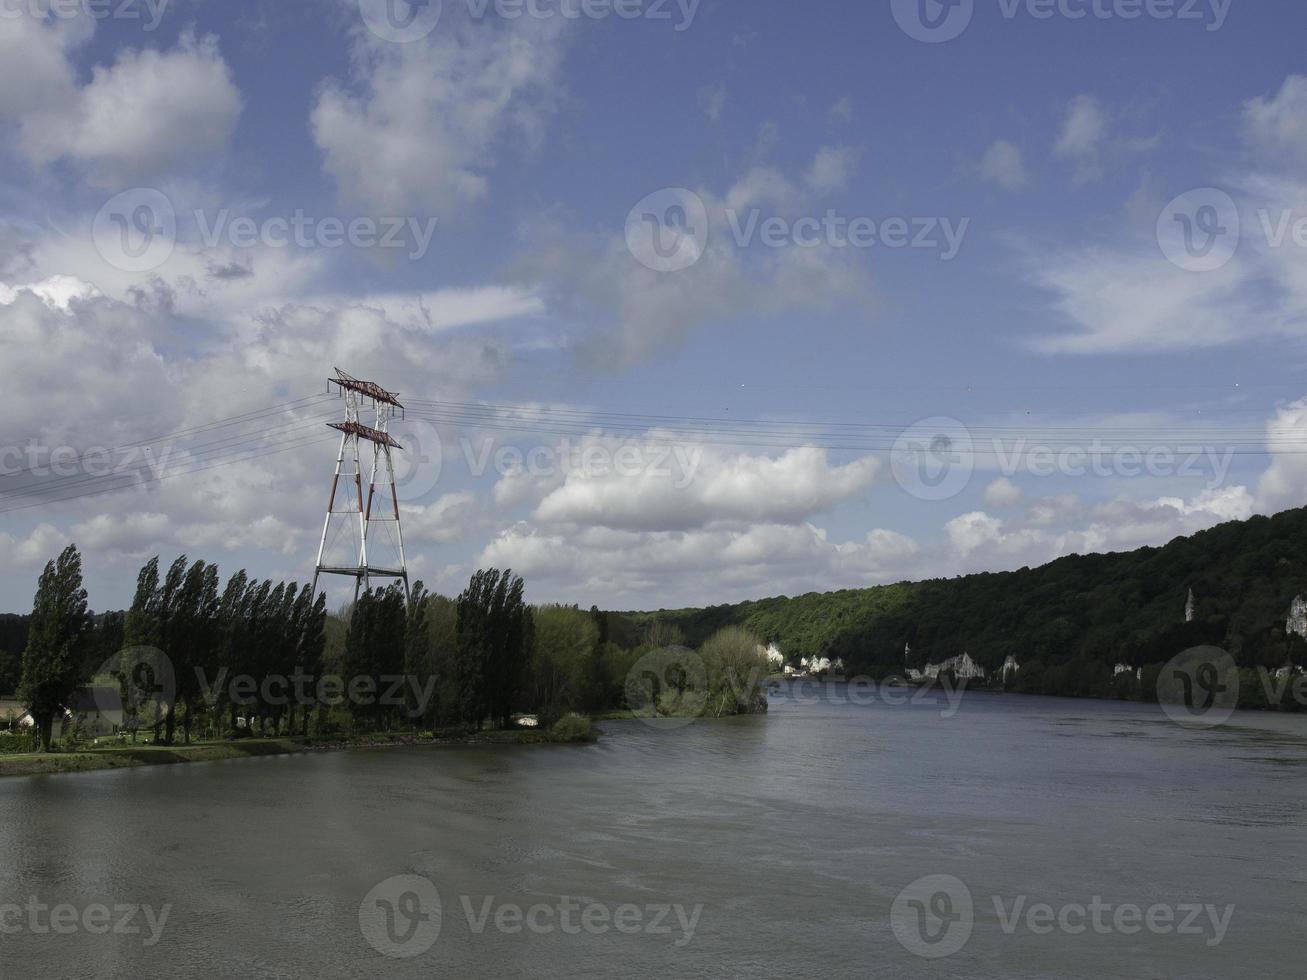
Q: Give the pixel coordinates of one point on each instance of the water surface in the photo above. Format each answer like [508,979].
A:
[792,835]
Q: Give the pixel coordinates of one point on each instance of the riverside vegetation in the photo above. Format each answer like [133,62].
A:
[265,668]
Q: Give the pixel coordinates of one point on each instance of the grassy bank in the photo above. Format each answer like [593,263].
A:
[128,756]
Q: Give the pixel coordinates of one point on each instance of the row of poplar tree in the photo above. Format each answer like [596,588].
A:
[204,637]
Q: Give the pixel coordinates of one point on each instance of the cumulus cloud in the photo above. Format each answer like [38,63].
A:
[417,126]
[1276,125]
[35,68]
[35,548]
[1002,493]
[1284,484]
[147,114]
[832,168]
[630,568]
[665,489]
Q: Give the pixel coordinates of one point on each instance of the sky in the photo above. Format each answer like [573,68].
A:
[687,302]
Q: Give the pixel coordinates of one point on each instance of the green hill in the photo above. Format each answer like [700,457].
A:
[1073,619]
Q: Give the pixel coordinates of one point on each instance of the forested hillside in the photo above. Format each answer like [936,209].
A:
[1079,615]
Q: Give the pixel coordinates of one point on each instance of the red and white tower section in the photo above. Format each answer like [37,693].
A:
[361,536]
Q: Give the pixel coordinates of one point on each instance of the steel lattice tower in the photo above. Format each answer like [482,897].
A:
[359,395]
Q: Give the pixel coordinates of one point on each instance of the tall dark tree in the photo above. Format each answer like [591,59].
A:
[58,636]
[417,647]
[495,634]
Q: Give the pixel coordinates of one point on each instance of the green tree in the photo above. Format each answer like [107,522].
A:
[58,634]
[495,635]
[562,666]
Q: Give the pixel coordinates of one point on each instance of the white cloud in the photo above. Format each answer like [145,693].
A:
[841,111]
[35,70]
[446,520]
[1284,484]
[1003,165]
[42,544]
[712,100]
[1132,299]
[636,313]
[1002,493]
[1087,139]
[150,113]
[627,569]
[1083,130]
[137,533]
[420,126]
[832,168]
[1276,125]
[693,487]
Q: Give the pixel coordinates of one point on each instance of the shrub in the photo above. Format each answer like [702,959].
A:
[13,743]
[572,728]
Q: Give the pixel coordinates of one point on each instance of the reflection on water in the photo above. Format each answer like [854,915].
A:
[793,834]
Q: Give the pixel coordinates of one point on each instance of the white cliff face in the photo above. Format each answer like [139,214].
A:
[963,668]
[1010,667]
[1122,669]
[1190,608]
[773,654]
[1297,621]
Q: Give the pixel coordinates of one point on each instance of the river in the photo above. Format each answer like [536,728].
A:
[1014,837]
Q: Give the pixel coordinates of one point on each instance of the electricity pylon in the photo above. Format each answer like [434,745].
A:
[359,395]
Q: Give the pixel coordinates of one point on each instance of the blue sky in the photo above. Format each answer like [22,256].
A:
[1054,147]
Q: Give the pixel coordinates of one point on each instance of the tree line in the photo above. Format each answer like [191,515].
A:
[195,656]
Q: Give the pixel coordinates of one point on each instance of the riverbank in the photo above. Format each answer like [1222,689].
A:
[130,756]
